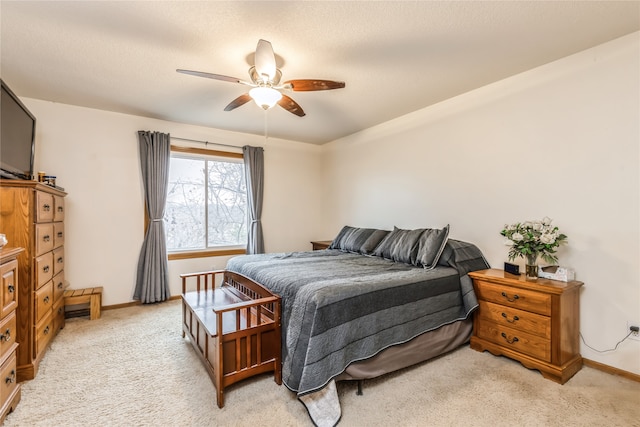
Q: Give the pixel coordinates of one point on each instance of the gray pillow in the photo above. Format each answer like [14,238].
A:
[373,241]
[430,246]
[357,240]
[337,242]
[400,245]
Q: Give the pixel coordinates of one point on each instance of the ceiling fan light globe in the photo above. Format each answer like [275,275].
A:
[265,97]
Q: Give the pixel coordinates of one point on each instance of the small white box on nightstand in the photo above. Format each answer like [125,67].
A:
[554,272]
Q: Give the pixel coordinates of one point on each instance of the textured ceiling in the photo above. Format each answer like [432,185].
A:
[395,57]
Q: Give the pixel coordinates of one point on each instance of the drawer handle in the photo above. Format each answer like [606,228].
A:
[11,378]
[46,330]
[60,285]
[515,297]
[60,260]
[45,268]
[60,310]
[11,288]
[512,341]
[60,209]
[6,336]
[46,238]
[59,233]
[514,320]
[46,207]
[46,299]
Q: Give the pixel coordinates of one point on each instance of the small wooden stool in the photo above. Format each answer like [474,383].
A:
[92,296]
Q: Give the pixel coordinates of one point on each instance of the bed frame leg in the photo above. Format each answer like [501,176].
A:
[359,392]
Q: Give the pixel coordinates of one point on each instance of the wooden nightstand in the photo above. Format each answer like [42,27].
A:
[320,244]
[10,390]
[534,322]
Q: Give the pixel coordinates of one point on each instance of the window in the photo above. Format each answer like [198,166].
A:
[206,206]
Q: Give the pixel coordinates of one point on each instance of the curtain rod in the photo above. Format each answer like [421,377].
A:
[206,142]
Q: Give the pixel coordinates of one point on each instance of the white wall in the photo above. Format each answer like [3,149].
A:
[559,141]
[94,155]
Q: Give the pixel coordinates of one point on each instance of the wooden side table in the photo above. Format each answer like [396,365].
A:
[319,245]
[535,322]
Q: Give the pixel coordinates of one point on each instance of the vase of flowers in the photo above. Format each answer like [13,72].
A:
[531,266]
[533,239]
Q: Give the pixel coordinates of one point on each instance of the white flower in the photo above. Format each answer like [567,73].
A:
[548,239]
[507,242]
[546,220]
[517,237]
[537,226]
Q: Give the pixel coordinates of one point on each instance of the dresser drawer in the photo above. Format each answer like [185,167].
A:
[45,331]
[44,300]
[44,207]
[8,378]
[44,238]
[523,299]
[58,314]
[58,234]
[58,260]
[58,287]
[43,269]
[514,339]
[7,334]
[58,214]
[535,324]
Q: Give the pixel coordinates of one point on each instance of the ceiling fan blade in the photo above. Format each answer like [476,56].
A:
[304,85]
[291,106]
[239,101]
[265,60]
[214,76]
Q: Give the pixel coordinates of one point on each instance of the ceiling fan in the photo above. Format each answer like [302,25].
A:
[265,81]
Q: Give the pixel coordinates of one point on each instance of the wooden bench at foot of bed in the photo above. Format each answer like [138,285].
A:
[234,327]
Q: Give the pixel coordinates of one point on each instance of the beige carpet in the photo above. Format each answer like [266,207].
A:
[133,368]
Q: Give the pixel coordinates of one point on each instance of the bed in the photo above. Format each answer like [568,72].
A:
[375,301]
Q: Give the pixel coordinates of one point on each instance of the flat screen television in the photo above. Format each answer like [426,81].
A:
[17,136]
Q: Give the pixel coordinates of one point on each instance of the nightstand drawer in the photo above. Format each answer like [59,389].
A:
[8,378]
[7,334]
[535,324]
[516,340]
[8,287]
[522,299]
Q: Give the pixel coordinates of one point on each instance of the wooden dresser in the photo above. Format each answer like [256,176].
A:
[32,216]
[9,387]
[535,322]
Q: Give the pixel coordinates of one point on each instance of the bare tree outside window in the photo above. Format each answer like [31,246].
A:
[206,204]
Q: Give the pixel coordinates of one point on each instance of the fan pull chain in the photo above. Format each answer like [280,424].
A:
[266,126]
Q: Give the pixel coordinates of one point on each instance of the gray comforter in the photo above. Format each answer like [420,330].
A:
[340,307]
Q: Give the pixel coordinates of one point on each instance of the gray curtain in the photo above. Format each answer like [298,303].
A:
[254,177]
[152,282]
